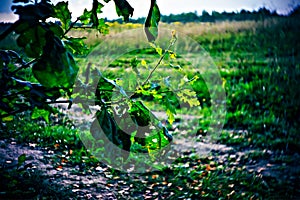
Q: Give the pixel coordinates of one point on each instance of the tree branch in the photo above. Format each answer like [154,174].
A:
[9,30]
[26,65]
[71,26]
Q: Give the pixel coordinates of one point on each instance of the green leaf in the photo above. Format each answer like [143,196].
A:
[104,120]
[56,67]
[56,29]
[105,124]
[189,97]
[33,41]
[134,63]
[102,27]
[76,46]
[105,88]
[22,26]
[171,117]
[36,12]
[170,102]
[151,24]
[85,17]
[63,13]
[36,113]
[124,9]
[140,113]
[99,7]
[21,159]
[8,118]
[91,17]
[159,139]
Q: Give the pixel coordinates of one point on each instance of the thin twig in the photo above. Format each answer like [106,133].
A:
[71,26]
[62,101]
[24,66]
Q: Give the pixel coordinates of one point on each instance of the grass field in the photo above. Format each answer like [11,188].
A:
[259,67]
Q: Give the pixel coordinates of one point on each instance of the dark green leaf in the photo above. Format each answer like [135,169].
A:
[104,120]
[56,67]
[151,24]
[56,29]
[91,17]
[32,40]
[105,126]
[30,12]
[140,113]
[21,159]
[124,9]
[125,140]
[105,89]
[22,26]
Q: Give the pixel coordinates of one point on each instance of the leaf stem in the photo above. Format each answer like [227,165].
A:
[158,63]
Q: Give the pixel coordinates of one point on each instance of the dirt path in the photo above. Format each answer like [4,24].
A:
[93,184]
[83,185]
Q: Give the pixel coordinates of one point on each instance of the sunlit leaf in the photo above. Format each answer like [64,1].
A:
[85,17]
[36,113]
[171,117]
[143,63]
[189,97]
[8,118]
[63,13]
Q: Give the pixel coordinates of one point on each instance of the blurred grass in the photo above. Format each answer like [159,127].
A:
[259,63]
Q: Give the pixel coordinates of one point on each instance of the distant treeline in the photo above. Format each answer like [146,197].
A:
[262,13]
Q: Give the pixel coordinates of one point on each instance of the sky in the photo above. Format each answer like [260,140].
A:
[166,7]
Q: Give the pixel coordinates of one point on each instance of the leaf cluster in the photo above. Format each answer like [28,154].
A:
[46,70]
